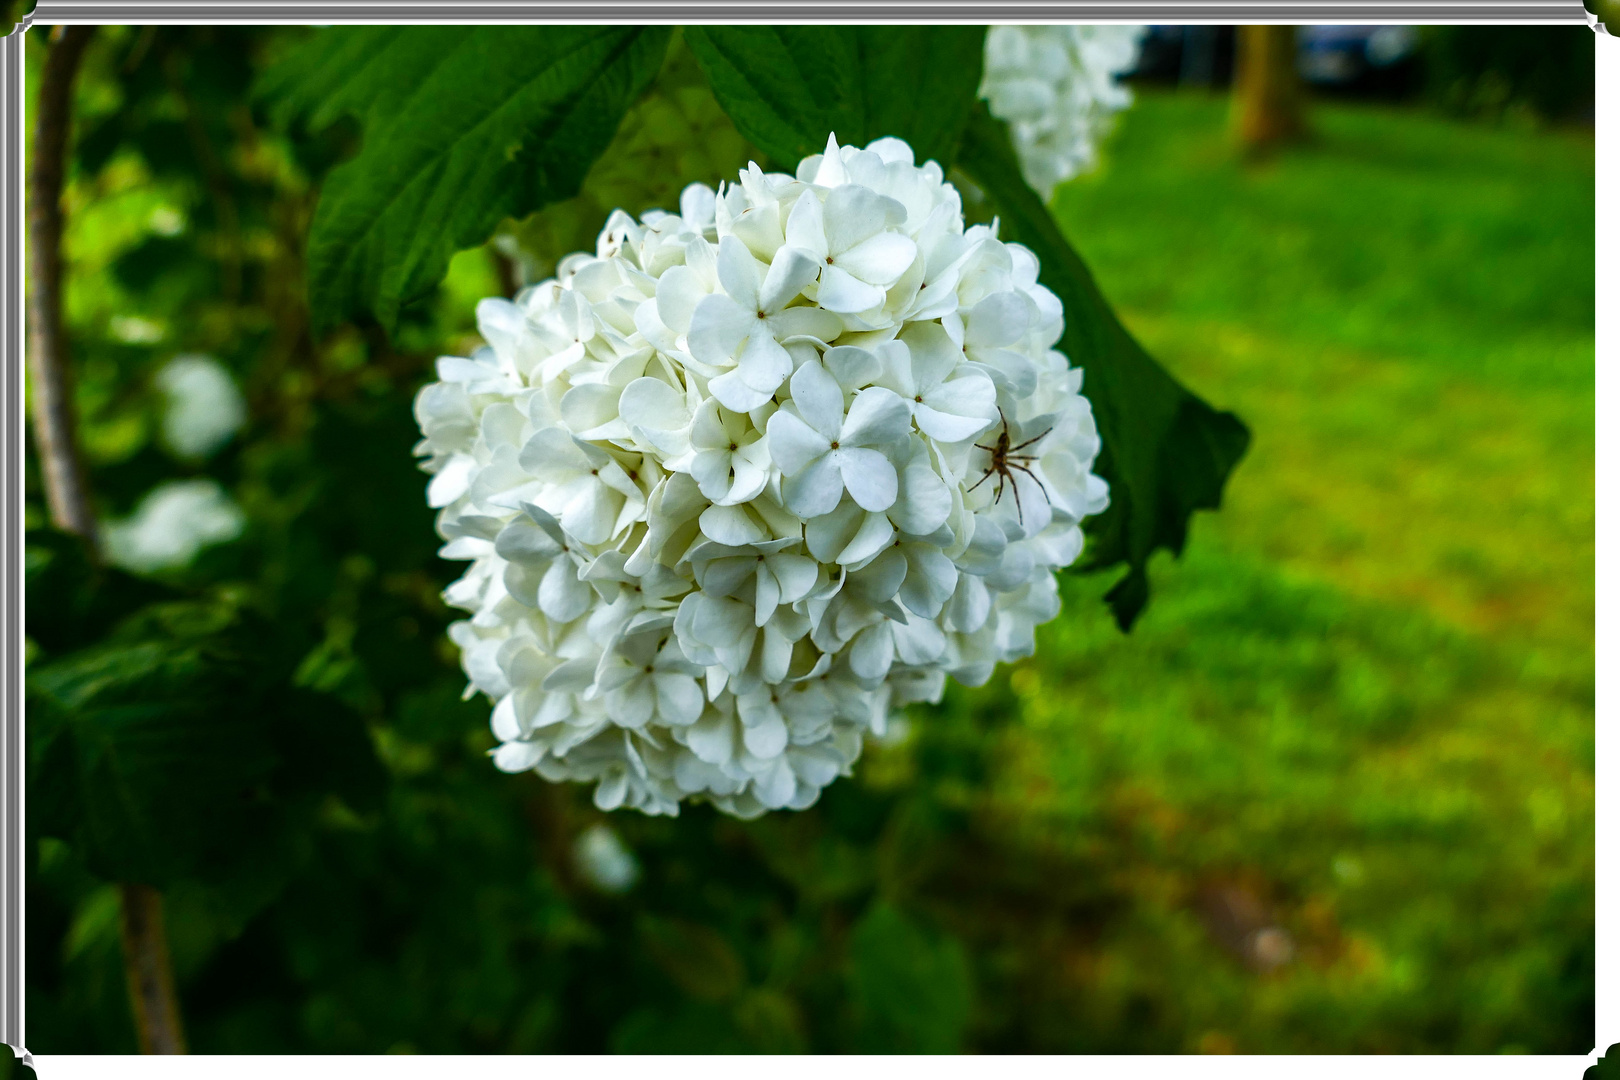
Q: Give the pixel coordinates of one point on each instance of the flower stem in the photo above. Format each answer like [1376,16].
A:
[146,950]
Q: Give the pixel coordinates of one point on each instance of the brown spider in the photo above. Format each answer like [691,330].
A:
[1004,459]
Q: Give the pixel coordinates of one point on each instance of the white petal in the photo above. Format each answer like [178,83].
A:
[680,289]
[764,364]
[767,738]
[730,525]
[775,789]
[806,322]
[452,481]
[589,515]
[680,699]
[819,399]
[718,328]
[880,260]
[804,227]
[854,213]
[791,270]
[767,594]
[999,319]
[924,502]
[852,367]
[817,488]
[873,535]
[872,651]
[633,704]
[516,757]
[739,272]
[611,791]
[587,407]
[877,417]
[697,205]
[734,392]
[563,596]
[795,574]
[869,476]
[654,404]
[843,292]
[748,479]
[949,428]
[793,444]
[933,354]
[712,738]
[712,470]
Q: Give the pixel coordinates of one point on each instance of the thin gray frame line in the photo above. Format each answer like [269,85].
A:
[11,461]
[735,11]
[13,425]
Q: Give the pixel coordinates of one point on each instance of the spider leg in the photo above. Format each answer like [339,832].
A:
[1032,476]
[1036,439]
[982,479]
[1001,484]
[1016,500]
[986,449]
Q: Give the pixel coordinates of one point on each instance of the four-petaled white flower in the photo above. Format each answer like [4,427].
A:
[823,451]
[730,488]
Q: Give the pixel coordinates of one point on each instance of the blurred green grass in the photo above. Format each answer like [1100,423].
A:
[1350,744]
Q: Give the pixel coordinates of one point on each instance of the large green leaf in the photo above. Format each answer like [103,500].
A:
[175,748]
[152,744]
[464,126]
[788,87]
[1165,452]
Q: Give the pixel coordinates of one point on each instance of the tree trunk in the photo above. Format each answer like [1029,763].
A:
[1268,101]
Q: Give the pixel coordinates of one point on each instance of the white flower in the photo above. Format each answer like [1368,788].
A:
[1056,87]
[823,451]
[203,406]
[751,477]
[171,525]
[604,861]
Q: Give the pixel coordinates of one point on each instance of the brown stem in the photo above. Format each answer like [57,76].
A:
[146,966]
[146,949]
[48,371]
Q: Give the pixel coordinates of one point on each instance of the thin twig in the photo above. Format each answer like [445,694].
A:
[146,949]
[48,371]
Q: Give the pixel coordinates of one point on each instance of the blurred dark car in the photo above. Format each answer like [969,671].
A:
[1378,60]
[1359,60]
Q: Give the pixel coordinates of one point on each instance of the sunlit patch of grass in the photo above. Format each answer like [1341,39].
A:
[1364,699]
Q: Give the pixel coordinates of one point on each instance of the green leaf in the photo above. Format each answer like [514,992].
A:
[1165,451]
[157,736]
[176,750]
[464,126]
[788,87]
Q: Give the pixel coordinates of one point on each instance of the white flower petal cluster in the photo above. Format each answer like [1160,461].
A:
[1057,89]
[727,486]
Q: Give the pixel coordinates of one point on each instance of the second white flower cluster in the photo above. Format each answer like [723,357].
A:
[754,475]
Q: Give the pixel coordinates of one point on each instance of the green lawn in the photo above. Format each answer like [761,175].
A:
[1358,716]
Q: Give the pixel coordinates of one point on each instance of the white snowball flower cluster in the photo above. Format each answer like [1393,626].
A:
[1056,88]
[754,475]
